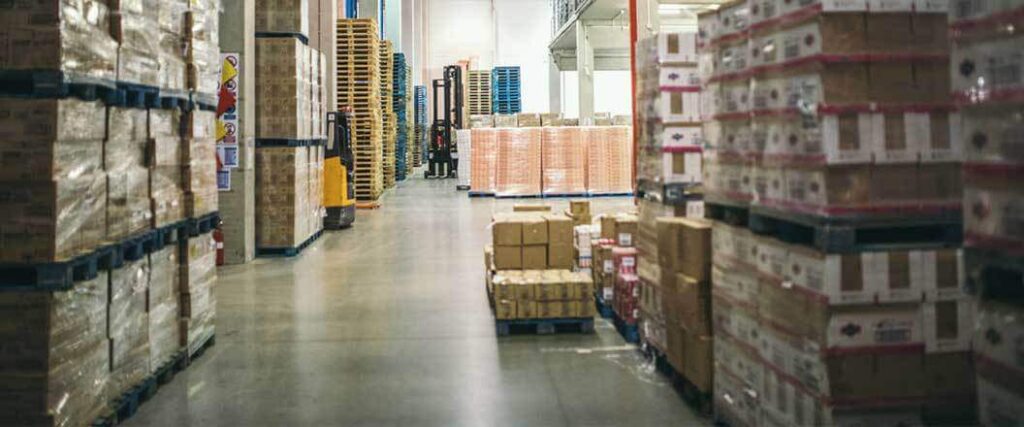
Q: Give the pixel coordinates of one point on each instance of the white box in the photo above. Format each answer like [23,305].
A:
[733,18]
[773,258]
[682,136]
[671,78]
[740,359]
[992,216]
[678,107]
[682,167]
[981,69]
[765,50]
[735,283]
[732,59]
[896,136]
[991,136]
[769,94]
[695,209]
[736,403]
[763,10]
[878,326]
[940,273]
[787,7]
[677,47]
[948,325]
[734,97]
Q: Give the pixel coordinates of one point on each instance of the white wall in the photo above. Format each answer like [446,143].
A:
[612,93]
[493,33]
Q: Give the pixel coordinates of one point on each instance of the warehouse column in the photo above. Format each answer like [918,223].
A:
[370,9]
[585,72]
[238,205]
[554,85]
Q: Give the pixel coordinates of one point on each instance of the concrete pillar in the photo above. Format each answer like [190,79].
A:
[393,23]
[585,72]
[238,206]
[370,9]
[554,86]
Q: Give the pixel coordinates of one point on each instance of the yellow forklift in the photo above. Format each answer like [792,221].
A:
[339,190]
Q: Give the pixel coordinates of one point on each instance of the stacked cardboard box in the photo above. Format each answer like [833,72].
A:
[198,303]
[359,88]
[284,89]
[579,211]
[203,63]
[128,325]
[174,24]
[134,26]
[52,181]
[55,355]
[528,120]
[162,301]
[530,266]
[984,43]
[564,160]
[200,162]
[616,231]
[670,142]
[684,258]
[289,182]
[126,165]
[42,36]
[652,320]
[506,121]
[518,161]
[166,190]
[284,16]
[609,159]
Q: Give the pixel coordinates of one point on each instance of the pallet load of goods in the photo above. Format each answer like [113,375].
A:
[400,100]
[990,102]
[479,95]
[291,76]
[669,157]
[505,90]
[514,156]
[422,127]
[387,108]
[530,279]
[836,190]
[109,197]
[410,126]
[359,89]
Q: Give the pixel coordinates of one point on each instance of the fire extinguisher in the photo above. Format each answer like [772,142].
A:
[218,238]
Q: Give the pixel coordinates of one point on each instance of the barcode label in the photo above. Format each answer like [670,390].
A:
[628,261]
[609,266]
[625,239]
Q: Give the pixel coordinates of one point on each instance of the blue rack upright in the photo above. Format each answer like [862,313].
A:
[422,128]
[400,96]
[506,90]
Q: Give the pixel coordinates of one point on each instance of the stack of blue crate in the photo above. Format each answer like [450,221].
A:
[505,90]
[421,123]
[401,98]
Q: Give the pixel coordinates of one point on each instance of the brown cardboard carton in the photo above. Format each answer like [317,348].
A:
[505,309]
[508,257]
[579,207]
[555,291]
[560,256]
[535,230]
[556,309]
[698,360]
[531,208]
[506,231]
[535,257]
[526,309]
[694,304]
[608,227]
[626,229]
[684,245]
[559,229]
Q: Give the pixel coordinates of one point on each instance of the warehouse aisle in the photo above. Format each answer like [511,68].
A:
[388,324]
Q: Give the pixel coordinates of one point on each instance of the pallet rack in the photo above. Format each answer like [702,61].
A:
[410,128]
[479,92]
[505,90]
[400,99]
[359,90]
[420,106]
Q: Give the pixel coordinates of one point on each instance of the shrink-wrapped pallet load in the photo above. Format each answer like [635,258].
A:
[564,159]
[518,164]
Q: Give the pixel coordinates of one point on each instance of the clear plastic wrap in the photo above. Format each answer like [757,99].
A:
[166,194]
[564,158]
[171,57]
[128,325]
[164,290]
[72,36]
[165,123]
[201,178]
[282,89]
[528,120]
[54,374]
[477,121]
[50,139]
[198,290]
[285,16]
[506,121]
[203,46]
[518,164]
[134,24]
[484,160]
[172,16]
[128,202]
[52,220]
[464,142]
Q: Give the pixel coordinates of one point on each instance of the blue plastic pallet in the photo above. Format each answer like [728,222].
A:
[544,326]
[55,84]
[288,252]
[630,333]
[480,194]
[623,194]
[603,309]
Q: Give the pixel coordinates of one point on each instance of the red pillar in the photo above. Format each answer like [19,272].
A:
[632,66]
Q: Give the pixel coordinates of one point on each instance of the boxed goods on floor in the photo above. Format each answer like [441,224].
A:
[579,211]
[162,305]
[542,294]
[518,161]
[128,325]
[53,184]
[198,296]
[200,176]
[609,159]
[564,161]
[126,165]
[166,168]
[288,208]
[532,241]
[43,36]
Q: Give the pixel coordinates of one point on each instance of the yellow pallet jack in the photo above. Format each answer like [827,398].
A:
[339,190]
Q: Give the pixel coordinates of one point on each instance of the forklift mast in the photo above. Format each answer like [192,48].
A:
[443,154]
[339,162]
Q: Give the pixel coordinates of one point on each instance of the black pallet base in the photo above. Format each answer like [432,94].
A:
[289,251]
[603,309]
[844,235]
[133,95]
[200,350]
[480,194]
[624,194]
[458,187]
[517,196]
[282,142]
[55,84]
[701,401]
[563,195]
[630,333]
[203,224]
[672,194]
[543,326]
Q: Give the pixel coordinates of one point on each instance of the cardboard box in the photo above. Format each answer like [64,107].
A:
[505,309]
[519,207]
[506,231]
[526,309]
[560,256]
[508,257]
[626,229]
[535,230]
[684,245]
[560,229]
[697,359]
[535,257]
[554,290]
[557,309]
[694,304]
[579,207]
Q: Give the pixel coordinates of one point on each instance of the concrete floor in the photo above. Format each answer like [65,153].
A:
[388,324]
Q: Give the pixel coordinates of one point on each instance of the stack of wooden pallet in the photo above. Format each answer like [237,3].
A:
[479,92]
[387,107]
[359,89]
[410,112]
